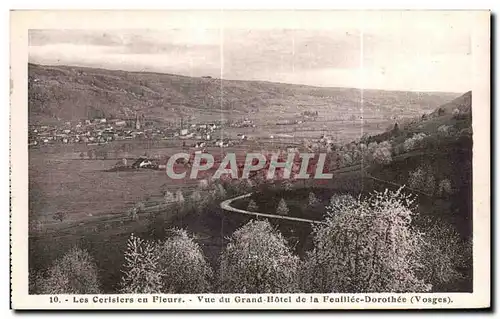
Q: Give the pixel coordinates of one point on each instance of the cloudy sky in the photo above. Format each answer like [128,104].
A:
[415,55]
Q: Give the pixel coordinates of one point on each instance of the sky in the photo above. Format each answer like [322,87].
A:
[389,52]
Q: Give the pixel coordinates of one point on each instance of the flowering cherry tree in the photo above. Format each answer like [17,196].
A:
[366,246]
[175,265]
[258,260]
[73,273]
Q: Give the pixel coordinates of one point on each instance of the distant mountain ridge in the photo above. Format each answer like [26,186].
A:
[75,93]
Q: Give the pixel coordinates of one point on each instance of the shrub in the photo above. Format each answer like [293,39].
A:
[59,216]
[366,246]
[282,208]
[258,260]
[176,265]
[74,273]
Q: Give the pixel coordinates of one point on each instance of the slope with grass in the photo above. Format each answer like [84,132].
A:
[76,93]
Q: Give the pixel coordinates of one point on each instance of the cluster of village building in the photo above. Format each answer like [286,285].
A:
[102,131]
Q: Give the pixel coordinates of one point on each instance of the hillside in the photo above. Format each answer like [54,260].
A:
[75,93]
[461,103]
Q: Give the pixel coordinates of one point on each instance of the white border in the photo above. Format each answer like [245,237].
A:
[22,21]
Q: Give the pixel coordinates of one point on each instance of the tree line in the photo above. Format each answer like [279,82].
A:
[365,245]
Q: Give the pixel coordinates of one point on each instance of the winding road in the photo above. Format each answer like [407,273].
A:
[226,205]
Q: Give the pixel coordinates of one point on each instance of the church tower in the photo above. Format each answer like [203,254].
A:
[137,122]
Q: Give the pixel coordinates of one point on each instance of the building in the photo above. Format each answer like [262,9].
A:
[137,123]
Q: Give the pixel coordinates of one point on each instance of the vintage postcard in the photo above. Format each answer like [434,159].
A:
[250,159]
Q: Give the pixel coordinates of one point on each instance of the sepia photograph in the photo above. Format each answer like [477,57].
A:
[254,156]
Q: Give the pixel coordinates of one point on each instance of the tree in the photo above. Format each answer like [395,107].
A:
[282,208]
[422,179]
[221,192]
[203,184]
[258,260]
[169,197]
[175,265]
[141,272]
[413,142]
[179,197]
[417,177]
[73,273]
[252,206]
[445,187]
[312,200]
[197,201]
[140,206]
[132,213]
[35,226]
[366,246]
[396,128]
[444,252]
[339,201]
[382,153]
[185,268]
[82,155]
[430,186]
[287,184]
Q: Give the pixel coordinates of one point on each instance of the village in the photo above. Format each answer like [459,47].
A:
[103,131]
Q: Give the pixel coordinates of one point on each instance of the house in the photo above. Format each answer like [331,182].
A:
[143,162]
[184,132]
[200,144]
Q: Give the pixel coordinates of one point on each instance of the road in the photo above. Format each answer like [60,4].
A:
[226,205]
